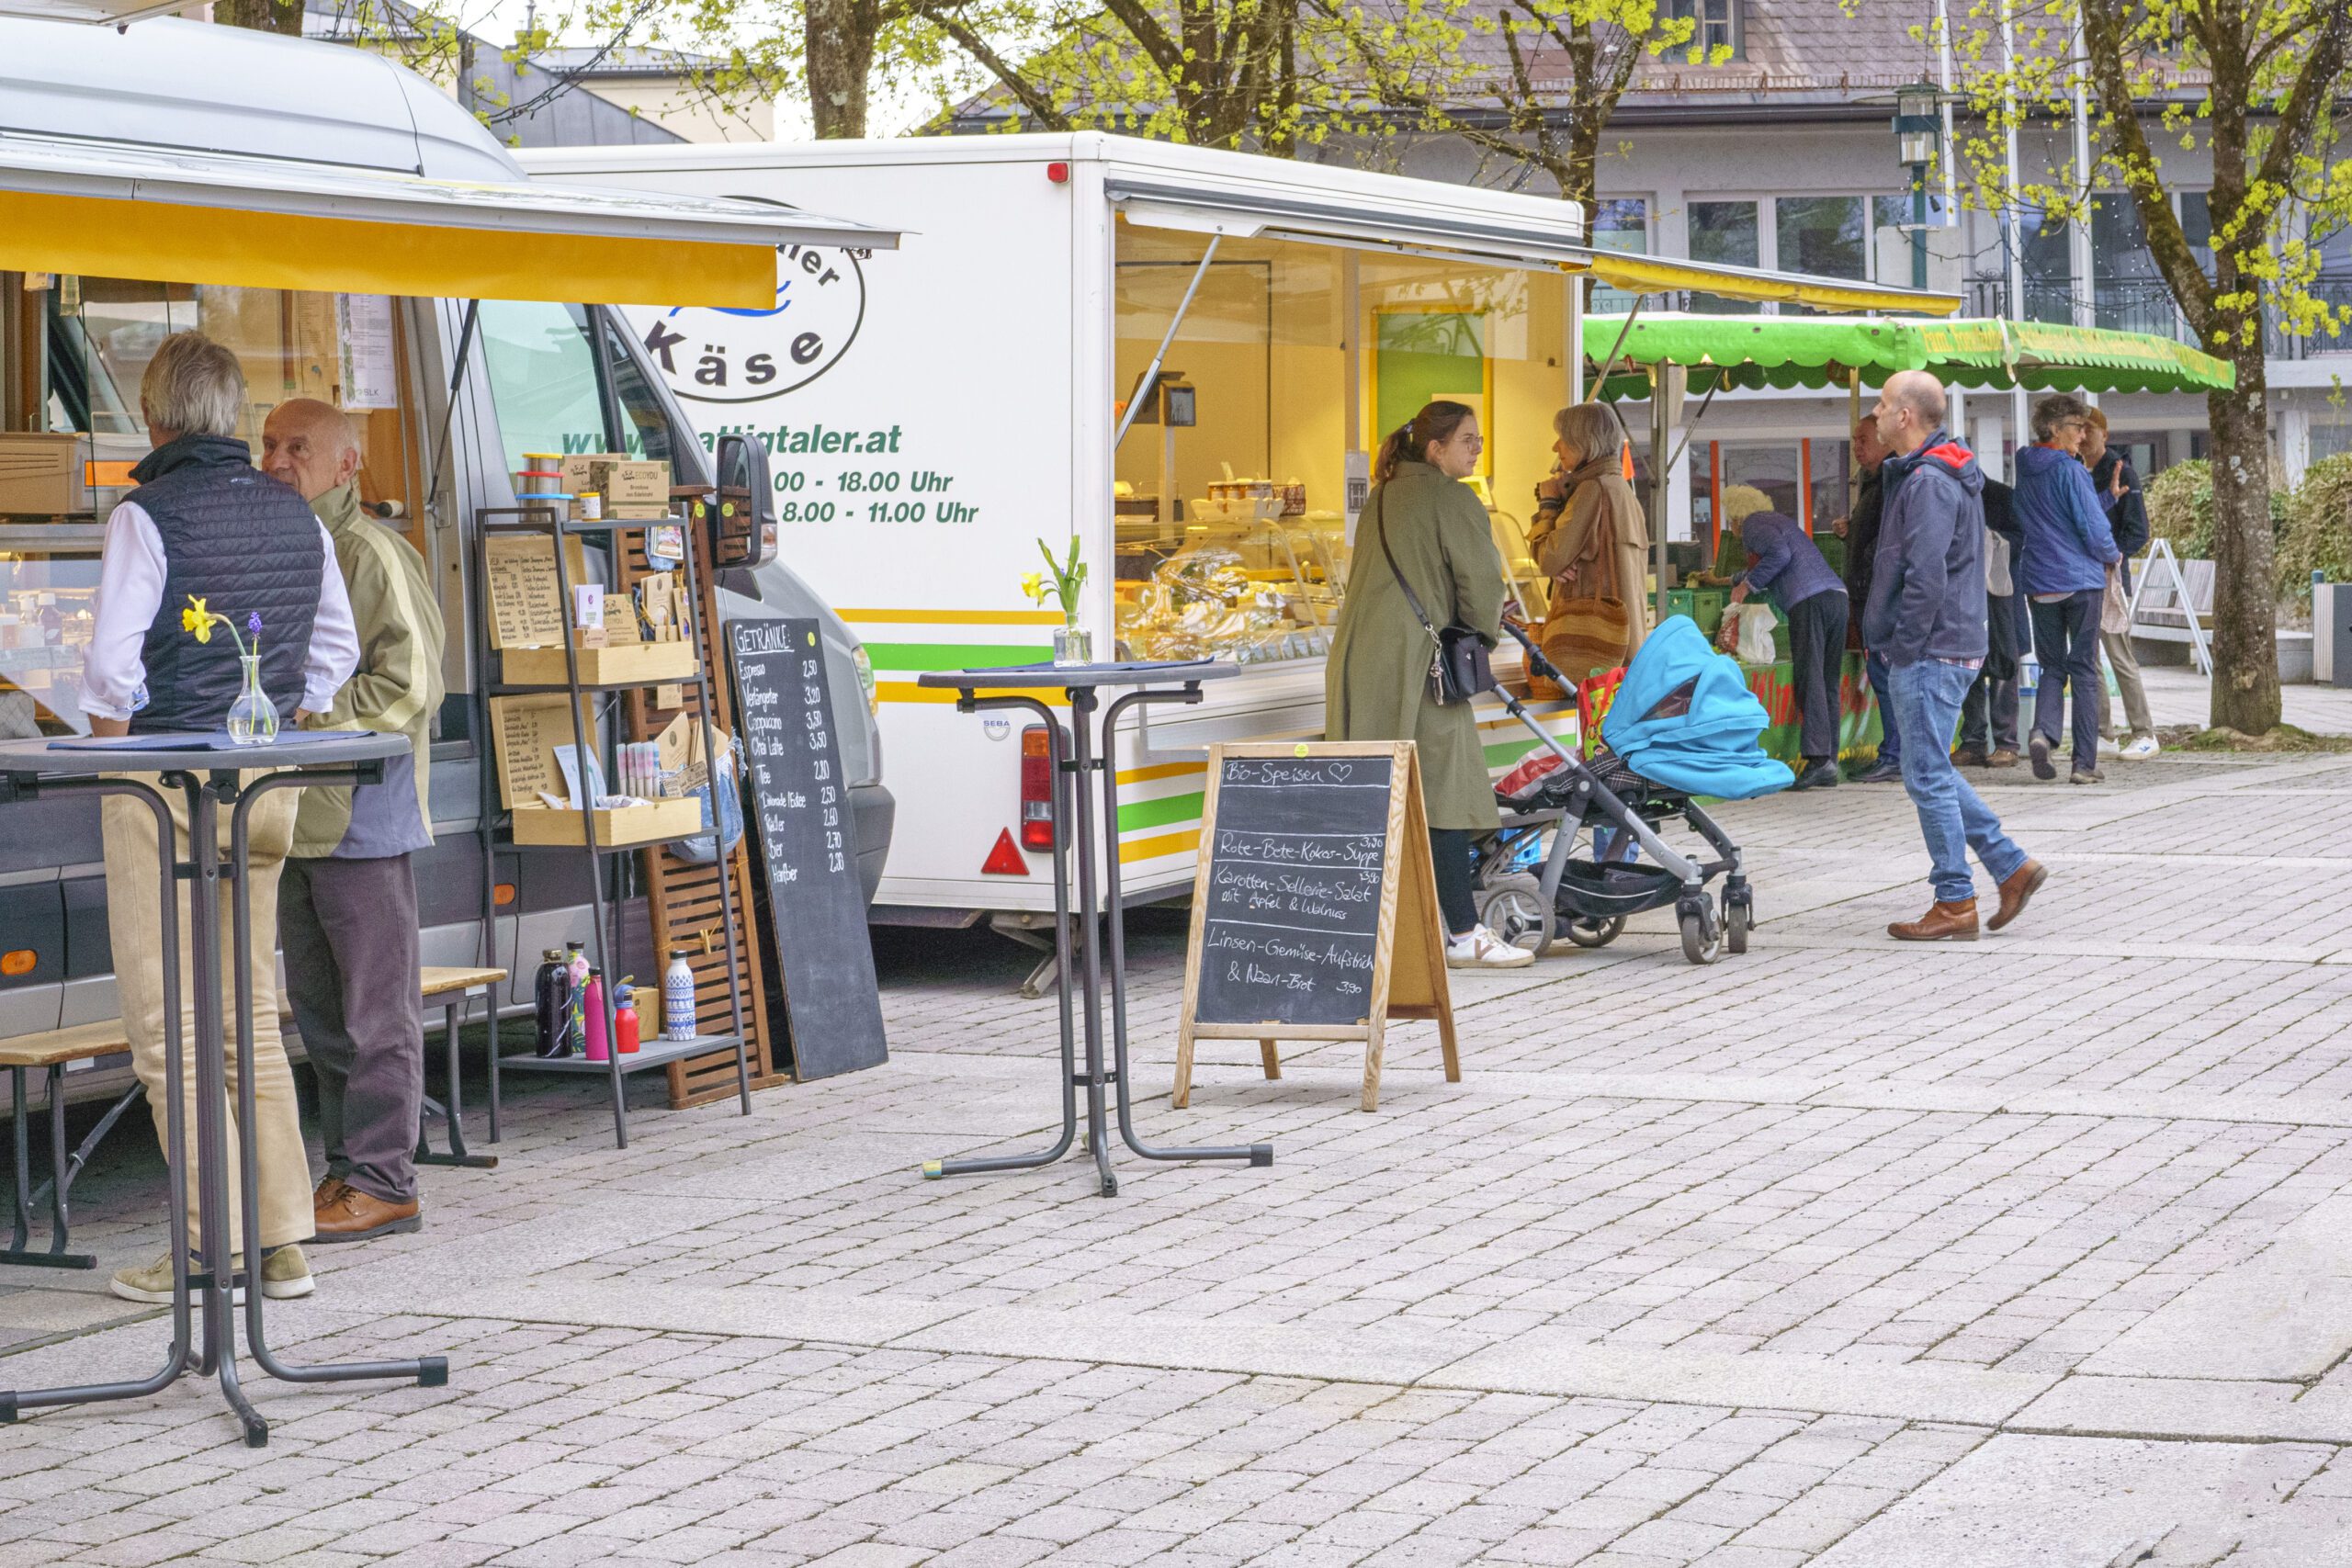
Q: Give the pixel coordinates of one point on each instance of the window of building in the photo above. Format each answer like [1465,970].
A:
[1821,234]
[1619,223]
[1717,32]
[1724,232]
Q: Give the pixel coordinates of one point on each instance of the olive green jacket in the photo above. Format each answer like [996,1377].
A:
[1375,687]
[396,691]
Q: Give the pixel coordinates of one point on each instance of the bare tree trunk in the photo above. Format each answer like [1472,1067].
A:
[838,53]
[2245,600]
[264,16]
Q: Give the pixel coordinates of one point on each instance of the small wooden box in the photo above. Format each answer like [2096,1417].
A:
[649,823]
[615,664]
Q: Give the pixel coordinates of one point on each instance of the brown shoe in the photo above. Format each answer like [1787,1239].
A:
[2004,758]
[1969,756]
[323,1195]
[2015,888]
[355,1215]
[1942,922]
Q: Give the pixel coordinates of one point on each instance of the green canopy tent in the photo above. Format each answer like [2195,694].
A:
[1849,352]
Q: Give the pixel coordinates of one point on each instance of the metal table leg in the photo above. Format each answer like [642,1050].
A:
[180,1356]
[452,1109]
[934,1169]
[429,1372]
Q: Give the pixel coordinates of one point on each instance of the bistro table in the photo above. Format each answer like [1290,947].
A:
[210,771]
[1075,830]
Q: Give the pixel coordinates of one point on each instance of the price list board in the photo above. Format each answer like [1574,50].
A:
[800,809]
[1296,862]
[1315,906]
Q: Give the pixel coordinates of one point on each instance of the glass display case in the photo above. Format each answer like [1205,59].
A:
[1288,367]
[49,574]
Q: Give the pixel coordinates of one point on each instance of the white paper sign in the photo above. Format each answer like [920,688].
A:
[370,374]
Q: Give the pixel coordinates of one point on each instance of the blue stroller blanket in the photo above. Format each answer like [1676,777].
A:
[1684,717]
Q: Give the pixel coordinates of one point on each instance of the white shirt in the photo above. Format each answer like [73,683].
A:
[131,595]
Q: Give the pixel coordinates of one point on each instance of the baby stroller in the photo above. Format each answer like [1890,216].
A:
[1682,723]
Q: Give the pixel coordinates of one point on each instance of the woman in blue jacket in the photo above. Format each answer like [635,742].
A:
[2062,570]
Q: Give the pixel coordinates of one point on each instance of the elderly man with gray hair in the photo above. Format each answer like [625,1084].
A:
[205,526]
[1926,614]
[347,904]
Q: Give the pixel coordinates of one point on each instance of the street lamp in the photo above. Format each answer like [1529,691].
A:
[1917,129]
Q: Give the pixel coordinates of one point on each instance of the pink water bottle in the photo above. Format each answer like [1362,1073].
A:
[598,1050]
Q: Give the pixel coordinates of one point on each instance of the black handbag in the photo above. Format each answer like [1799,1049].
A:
[1459,669]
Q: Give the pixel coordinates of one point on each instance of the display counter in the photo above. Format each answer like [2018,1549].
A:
[49,580]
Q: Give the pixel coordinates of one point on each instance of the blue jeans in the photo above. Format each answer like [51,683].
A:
[2065,641]
[1952,819]
[1890,743]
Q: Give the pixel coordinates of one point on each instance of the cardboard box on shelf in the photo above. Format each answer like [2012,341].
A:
[618,663]
[649,823]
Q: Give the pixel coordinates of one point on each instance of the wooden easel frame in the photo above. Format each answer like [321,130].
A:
[1409,972]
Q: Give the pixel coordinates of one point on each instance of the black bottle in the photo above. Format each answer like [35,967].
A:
[551,1006]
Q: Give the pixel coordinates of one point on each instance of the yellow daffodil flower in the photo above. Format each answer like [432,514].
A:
[1033,585]
[197,619]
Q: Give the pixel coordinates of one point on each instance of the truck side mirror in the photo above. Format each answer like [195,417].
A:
[742,528]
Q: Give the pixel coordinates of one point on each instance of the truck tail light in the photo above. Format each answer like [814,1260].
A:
[1036,787]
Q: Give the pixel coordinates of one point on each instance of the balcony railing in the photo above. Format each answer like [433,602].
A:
[2145,305]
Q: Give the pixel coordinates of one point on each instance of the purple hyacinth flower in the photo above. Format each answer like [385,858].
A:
[253,623]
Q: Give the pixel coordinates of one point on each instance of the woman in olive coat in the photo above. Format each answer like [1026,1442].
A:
[1376,684]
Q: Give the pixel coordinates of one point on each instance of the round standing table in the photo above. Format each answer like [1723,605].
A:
[1075,829]
[208,773]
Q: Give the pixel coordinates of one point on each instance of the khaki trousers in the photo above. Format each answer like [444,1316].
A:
[135,929]
[2126,665]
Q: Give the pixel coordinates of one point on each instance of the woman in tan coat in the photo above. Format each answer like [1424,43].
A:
[1585,507]
[1376,684]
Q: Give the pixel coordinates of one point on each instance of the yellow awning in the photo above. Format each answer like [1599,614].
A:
[1661,275]
[119,212]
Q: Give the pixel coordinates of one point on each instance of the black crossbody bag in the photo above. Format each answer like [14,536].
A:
[1458,665]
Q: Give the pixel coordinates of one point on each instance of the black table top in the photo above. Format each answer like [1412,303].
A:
[177,753]
[1147,672]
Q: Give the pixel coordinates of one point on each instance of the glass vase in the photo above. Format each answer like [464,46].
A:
[1073,645]
[253,717]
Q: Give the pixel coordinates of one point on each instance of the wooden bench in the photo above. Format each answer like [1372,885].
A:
[453,989]
[54,1051]
[2163,617]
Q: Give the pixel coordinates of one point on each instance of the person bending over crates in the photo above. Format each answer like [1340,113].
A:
[347,904]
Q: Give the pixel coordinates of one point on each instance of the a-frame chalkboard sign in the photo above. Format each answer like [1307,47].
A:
[1315,909]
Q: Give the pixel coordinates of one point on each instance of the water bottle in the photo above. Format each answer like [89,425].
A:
[575,1027]
[678,998]
[550,1003]
[625,1017]
[599,1042]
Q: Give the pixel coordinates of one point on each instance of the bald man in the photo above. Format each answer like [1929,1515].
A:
[347,904]
[1926,614]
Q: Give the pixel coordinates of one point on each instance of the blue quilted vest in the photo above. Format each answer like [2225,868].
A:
[242,543]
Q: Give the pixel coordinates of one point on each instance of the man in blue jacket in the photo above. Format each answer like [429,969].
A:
[2063,572]
[1927,613]
[1790,567]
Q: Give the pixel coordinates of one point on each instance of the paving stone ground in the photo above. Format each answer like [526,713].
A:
[2032,1251]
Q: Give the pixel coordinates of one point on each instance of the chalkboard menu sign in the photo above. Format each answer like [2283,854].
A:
[800,807]
[1297,861]
[1314,908]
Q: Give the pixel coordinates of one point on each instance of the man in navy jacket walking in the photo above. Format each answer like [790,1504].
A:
[1926,614]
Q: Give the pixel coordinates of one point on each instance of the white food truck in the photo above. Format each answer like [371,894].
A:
[1183,358]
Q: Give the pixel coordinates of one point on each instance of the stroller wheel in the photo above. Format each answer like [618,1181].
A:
[1595,933]
[1737,920]
[1513,908]
[1702,941]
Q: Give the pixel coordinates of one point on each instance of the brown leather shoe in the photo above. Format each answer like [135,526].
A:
[2015,888]
[324,1193]
[2004,758]
[1943,922]
[1969,756]
[354,1215]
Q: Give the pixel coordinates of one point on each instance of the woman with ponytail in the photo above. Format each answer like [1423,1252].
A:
[1422,526]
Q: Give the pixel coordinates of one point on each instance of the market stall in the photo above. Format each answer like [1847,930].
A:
[1699,355]
[1183,358]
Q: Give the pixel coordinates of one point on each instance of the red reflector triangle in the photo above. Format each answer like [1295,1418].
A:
[1006,859]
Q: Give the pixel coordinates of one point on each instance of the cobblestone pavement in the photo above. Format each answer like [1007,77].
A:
[2034,1251]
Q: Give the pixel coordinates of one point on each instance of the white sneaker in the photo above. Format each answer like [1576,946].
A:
[1479,948]
[2142,747]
